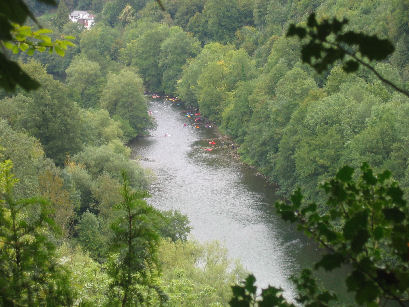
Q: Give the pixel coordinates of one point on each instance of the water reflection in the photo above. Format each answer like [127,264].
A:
[223,199]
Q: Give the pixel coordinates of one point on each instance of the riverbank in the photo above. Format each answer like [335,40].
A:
[222,140]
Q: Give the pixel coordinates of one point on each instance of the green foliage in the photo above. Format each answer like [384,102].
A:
[51,187]
[61,17]
[84,78]
[365,227]
[16,37]
[188,84]
[174,52]
[219,20]
[51,116]
[237,114]
[100,128]
[196,274]
[222,19]
[328,43]
[246,295]
[144,53]
[220,77]
[135,241]
[30,273]
[28,156]
[90,236]
[101,44]
[175,226]
[95,165]
[123,97]
[88,278]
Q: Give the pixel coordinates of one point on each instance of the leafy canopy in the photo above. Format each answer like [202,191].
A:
[17,37]
[365,227]
[329,42]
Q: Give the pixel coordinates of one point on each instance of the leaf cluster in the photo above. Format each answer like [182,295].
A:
[29,274]
[245,295]
[328,43]
[29,41]
[366,226]
[134,247]
[16,37]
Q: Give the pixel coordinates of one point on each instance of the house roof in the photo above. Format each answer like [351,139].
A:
[78,13]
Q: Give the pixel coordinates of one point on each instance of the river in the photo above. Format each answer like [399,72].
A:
[223,199]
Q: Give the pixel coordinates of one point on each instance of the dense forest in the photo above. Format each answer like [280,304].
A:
[72,195]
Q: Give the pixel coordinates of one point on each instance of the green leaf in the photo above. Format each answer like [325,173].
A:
[24,46]
[384,176]
[350,66]
[42,31]
[59,51]
[378,233]
[394,215]
[312,21]
[9,45]
[293,30]
[15,49]
[238,291]
[330,262]
[359,240]
[30,51]
[296,198]
[249,284]
[396,194]
[367,293]
[355,224]
[345,174]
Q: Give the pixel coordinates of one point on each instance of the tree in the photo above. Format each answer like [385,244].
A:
[16,37]
[88,278]
[30,273]
[123,97]
[188,84]
[329,43]
[174,52]
[144,53]
[101,44]
[195,274]
[218,78]
[52,117]
[222,19]
[93,166]
[175,226]
[365,222]
[51,187]
[28,156]
[90,236]
[85,80]
[100,128]
[365,226]
[62,14]
[134,243]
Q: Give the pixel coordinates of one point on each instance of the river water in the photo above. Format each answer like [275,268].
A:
[223,199]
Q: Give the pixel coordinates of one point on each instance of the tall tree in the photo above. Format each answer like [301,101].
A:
[52,117]
[123,97]
[62,15]
[135,244]
[29,272]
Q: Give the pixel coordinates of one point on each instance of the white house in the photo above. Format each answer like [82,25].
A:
[83,17]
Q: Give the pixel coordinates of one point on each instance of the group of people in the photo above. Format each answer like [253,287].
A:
[197,120]
[195,117]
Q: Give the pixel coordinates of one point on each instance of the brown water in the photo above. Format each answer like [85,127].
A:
[223,199]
